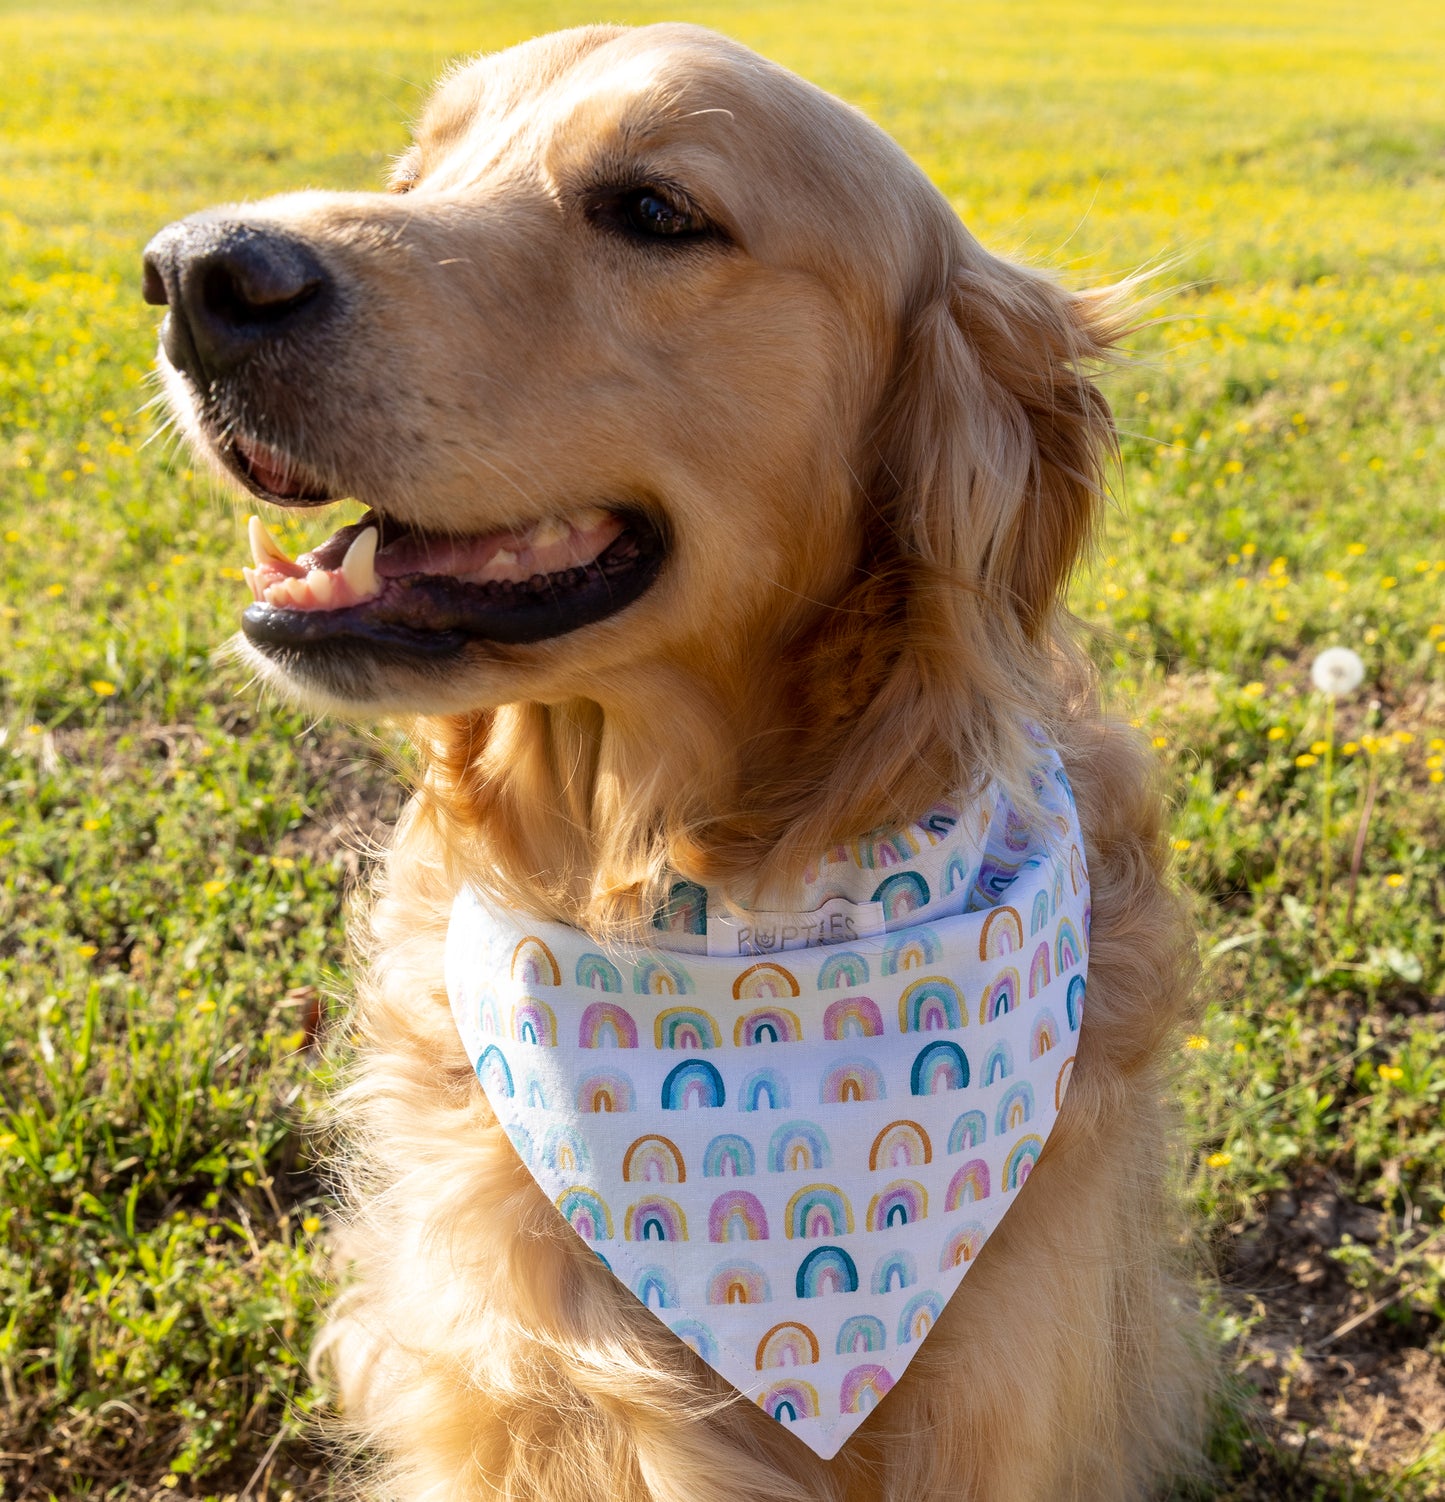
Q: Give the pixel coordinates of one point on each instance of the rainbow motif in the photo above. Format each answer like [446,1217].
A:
[943,1065]
[656,1288]
[999,1064]
[655,1218]
[737,1216]
[790,1401]
[826,1269]
[969,1131]
[659,977]
[1066,947]
[939,822]
[1001,997]
[955,874]
[765,1089]
[901,1144]
[685,1027]
[521,1140]
[788,1344]
[739,1283]
[606,1090]
[1062,778]
[919,1316]
[1039,972]
[595,972]
[995,876]
[861,1335]
[534,964]
[487,1020]
[901,1204]
[1061,1085]
[1044,1035]
[1088,922]
[534,1092]
[905,893]
[894,1270]
[845,970]
[764,980]
[864,1388]
[494,1072]
[693,1083]
[728,1157]
[1074,1003]
[1056,894]
[1078,875]
[1015,1108]
[586,1212]
[818,1211]
[931,1005]
[916,948]
[1016,832]
[606,1025]
[655,1160]
[853,1017]
[969,1185]
[534,1022]
[883,848]
[696,1335]
[962,1246]
[767,1025]
[854,1079]
[1039,918]
[1021,1159]
[564,1149]
[685,910]
[798,1147]
[1002,933]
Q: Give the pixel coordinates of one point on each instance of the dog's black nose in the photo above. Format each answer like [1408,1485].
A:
[231,289]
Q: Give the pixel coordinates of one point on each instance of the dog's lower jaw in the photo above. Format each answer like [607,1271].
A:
[486,1353]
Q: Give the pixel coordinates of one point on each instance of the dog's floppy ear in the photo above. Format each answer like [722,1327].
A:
[995,441]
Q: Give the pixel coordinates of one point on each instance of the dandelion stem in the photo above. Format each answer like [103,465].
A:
[1371,787]
[1326,798]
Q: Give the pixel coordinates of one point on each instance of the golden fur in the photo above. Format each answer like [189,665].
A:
[879,452]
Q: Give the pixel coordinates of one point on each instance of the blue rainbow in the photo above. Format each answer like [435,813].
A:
[798,1146]
[894,1270]
[931,1005]
[1074,1003]
[845,970]
[919,1316]
[826,1269]
[494,1072]
[1066,947]
[564,1149]
[685,910]
[694,1082]
[904,893]
[659,977]
[999,1064]
[765,1086]
[1015,1108]
[1039,918]
[685,1027]
[521,1140]
[955,874]
[696,1335]
[728,1157]
[819,1210]
[595,972]
[943,1065]
[969,1131]
[916,948]
[860,1335]
[534,1092]
[656,1288]
[586,1212]
[1021,1159]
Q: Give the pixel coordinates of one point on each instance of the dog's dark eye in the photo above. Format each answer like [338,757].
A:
[652,212]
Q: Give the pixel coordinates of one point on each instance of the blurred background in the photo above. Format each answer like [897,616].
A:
[176,857]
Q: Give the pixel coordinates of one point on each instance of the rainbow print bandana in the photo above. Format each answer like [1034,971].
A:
[790,1138]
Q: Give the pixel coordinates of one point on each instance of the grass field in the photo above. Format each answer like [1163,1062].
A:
[175,857]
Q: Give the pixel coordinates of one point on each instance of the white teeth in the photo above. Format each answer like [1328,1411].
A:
[321,585]
[358,568]
[544,534]
[504,556]
[593,516]
[264,547]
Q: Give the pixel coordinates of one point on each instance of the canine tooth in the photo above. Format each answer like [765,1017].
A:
[321,585]
[264,547]
[545,533]
[505,556]
[593,516]
[249,575]
[358,568]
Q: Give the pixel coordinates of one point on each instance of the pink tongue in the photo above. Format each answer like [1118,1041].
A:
[441,555]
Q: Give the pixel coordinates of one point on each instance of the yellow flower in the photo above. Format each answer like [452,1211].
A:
[185,993]
[1234,467]
[214,888]
[12,536]
[283,863]
[1252,690]
[1349,748]
[1319,747]
[1183,844]
[1275,733]
[1404,737]
[1160,741]
[87,951]
[1305,759]
[1389,582]
[1179,535]
[206,1005]
[311,1225]
[90,825]
[1220,1160]
[55,590]
[1248,550]
[1390,1073]
[102,687]
[1196,1042]
[1394,881]
[1356,550]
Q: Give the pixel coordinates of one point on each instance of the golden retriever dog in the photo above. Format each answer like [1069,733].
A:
[723,491]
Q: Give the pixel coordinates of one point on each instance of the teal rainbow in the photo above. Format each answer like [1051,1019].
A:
[884,848]
[818,1212]
[729,1156]
[534,1092]
[656,1288]
[1001,996]
[894,1270]
[864,1388]
[691,1084]
[765,1090]
[955,874]
[861,1335]
[606,1025]
[931,1005]
[586,1212]
[916,948]
[1039,918]
[798,1147]
[825,1270]
[852,1017]
[685,910]
[942,1065]
[696,1335]
[1074,1003]
[494,1072]
[655,1218]
[659,977]
[843,971]
[685,1027]
[1020,1161]
[903,893]
[1015,1108]
[919,1316]
[969,1131]
[595,972]
[999,1063]
[1066,947]
[521,1140]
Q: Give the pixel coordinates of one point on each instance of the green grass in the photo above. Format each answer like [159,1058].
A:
[174,856]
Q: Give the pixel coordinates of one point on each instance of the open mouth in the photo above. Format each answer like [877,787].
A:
[383,584]
[273,473]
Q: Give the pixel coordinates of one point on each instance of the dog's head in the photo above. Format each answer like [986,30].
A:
[670,384]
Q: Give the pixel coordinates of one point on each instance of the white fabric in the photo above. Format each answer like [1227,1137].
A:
[793,1155]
